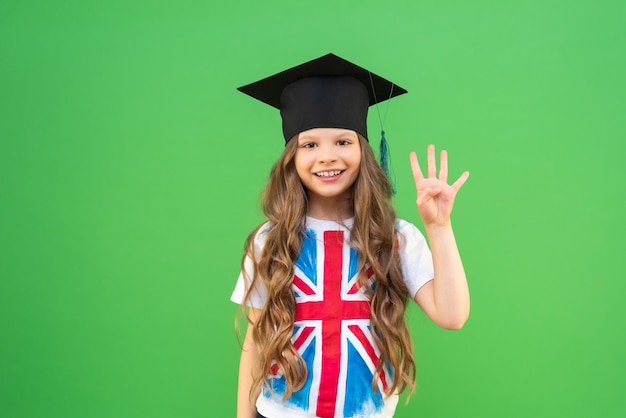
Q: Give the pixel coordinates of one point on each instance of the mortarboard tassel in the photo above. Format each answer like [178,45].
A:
[385,162]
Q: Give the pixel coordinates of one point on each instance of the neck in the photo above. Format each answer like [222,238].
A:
[337,208]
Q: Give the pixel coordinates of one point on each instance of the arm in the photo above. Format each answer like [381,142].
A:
[249,359]
[445,299]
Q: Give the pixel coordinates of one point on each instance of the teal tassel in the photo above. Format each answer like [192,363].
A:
[385,160]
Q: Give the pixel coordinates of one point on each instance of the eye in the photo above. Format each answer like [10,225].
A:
[343,142]
[309,145]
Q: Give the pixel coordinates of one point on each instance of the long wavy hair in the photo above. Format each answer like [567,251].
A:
[374,237]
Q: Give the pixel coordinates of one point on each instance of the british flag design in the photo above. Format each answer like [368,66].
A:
[332,332]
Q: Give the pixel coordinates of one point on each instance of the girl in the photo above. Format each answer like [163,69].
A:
[328,276]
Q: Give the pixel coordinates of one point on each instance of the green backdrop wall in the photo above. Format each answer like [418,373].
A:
[130,171]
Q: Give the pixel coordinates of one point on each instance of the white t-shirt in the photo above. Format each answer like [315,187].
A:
[331,326]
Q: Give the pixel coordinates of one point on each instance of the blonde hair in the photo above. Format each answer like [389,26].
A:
[374,237]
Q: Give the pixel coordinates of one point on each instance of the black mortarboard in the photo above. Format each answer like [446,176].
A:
[327,92]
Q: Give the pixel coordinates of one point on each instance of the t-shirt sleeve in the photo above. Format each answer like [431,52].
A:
[415,257]
[258,294]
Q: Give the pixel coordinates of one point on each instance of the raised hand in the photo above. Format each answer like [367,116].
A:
[435,197]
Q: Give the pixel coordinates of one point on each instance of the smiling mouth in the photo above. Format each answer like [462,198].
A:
[328,173]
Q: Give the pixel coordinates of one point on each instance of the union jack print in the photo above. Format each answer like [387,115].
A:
[332,332]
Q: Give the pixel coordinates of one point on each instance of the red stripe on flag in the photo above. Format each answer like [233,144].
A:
[302,337]
[331,328]
[302,286]
[355,288]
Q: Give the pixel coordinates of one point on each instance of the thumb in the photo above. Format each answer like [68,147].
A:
[427,194]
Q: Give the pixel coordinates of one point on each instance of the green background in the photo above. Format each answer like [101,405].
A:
[130,172]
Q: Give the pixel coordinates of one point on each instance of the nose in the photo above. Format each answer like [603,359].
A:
[327,153]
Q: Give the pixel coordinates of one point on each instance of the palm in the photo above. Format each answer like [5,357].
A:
[435,197]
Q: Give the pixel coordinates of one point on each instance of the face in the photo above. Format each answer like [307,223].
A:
[328,161]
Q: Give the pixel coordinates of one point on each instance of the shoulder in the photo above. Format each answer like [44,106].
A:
[402,225]
[407,229]
[262,230]
[259,235]
[415,256]
[409,237]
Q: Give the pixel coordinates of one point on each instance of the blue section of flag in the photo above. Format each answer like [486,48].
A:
[307,261]
[359,394]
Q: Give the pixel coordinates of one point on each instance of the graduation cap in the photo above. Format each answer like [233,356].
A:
[327,92]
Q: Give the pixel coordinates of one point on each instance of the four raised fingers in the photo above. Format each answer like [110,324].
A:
[432,168]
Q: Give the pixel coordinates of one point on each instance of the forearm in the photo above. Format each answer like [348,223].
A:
[245,402]
[248,361]
[450,293]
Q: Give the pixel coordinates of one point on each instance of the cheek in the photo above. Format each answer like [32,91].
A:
[357,156]
[301,166]
[297,160]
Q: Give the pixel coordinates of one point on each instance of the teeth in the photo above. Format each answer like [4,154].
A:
[328,173]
